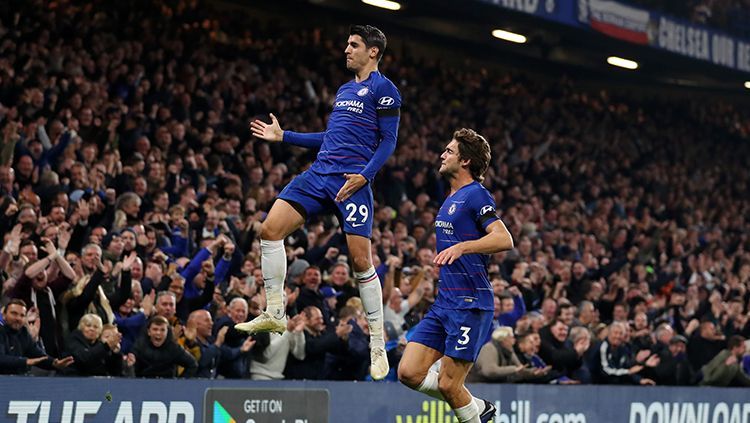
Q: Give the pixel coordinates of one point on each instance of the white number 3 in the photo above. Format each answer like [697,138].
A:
[464,335]
[352,209]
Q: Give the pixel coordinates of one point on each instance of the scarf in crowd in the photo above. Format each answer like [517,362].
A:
[51,300]
[77,290]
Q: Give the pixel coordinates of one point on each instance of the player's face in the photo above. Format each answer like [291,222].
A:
[450,161]
[357,53]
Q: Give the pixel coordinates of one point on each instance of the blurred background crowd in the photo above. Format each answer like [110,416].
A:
[132,197]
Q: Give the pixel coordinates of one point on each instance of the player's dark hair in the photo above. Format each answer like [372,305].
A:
[371,36]
[474,148]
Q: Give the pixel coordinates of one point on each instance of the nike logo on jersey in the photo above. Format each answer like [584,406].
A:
[461,348]
[357,225]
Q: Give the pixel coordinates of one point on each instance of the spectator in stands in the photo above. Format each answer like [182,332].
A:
[726,368]
[341,280]
[587,315]
[512,306]
[350,362]
[704,344]
[157,355]
[94,354]
[87,294]
[527,351]
[559,352]
[310,295]
[19,342]
[237,346]
[270,365]
[397,307]
[549,310]
[131,322]
[320,340]
[34,287]
[641,332]
[497,362]
[615,365]
[166,304]
[674,367]
[197,340]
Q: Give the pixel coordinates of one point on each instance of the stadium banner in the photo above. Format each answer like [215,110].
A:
[98,400]
[657,30]
[699,42]
[616,20]
[640,26]
[561,11]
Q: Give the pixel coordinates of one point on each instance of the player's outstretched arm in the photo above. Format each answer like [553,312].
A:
[273,132]
[497,239]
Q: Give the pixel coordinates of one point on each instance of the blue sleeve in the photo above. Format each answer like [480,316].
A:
[310,140]
[388,109]
[51,155]
[389,131]
[222,269]
[520,307]
[381,270]
[133,322]
[191,270]
[179,247]
[147,285]
[483,206]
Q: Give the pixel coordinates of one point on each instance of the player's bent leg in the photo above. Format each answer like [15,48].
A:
[282,219]
[414,370]
[371,294]
[451,384]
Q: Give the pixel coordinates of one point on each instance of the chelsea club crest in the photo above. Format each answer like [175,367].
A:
[452,208]
[362,92]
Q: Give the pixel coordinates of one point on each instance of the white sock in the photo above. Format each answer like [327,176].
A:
[372,299]
[429,386]
[273,266]
[468,413]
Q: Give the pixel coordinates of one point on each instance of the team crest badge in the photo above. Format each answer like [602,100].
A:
[452,208]
[363,92]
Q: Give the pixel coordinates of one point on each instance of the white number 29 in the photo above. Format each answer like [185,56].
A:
[352,209]
[464,335]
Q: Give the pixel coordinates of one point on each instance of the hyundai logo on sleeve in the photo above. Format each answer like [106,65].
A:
[386,101]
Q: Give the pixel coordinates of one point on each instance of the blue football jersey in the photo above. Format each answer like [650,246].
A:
[464,216]
[353,132]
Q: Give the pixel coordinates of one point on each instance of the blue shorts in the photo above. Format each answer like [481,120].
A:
[456,333]
[316,194]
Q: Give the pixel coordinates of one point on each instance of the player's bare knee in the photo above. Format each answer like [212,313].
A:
[361,262]
[409,377]
[269,233]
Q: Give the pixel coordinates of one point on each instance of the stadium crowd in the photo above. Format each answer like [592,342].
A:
[132,195]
